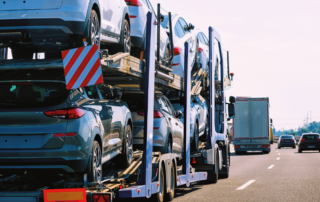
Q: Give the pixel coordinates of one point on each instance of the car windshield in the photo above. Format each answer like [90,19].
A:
[31,94]
[135,101]
[287,137]
[310,137]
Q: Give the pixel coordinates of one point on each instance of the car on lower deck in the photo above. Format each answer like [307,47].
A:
[199,119]
[50,26]
[44,127]
[309,141]
[167,127]
[286,141]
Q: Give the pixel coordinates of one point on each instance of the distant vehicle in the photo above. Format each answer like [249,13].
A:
[309,141]
[138,10]
[167,127]
[286,141]
[199,119]
[182,32]
[50,26]
[251,125]
[45,127]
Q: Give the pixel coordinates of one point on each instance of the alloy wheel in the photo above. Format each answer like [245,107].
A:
[95,30]
[96,165]
[126,39]
[129,145]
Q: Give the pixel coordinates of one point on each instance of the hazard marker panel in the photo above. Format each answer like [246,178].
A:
[82,67]
[65,195]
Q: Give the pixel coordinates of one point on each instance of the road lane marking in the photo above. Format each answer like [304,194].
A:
[276,150]
[270,167]
[245,185]
[278,153]
[278,158]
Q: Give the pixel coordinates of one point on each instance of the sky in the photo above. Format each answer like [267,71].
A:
[274,48]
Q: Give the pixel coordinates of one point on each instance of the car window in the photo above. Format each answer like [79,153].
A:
[183,24]
[164,104]
[310,137]
[135,101]
[105,91]
[179,30]
[32,94]
[205,39]
[172,111]
[201,38]
[92,92]
[287,137]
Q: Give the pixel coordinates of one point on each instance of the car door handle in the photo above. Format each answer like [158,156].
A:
[177,123]
[110,111]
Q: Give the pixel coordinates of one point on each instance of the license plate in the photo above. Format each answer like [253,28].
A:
[287,141]
[311,146]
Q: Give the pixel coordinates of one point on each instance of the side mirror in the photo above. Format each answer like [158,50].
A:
[232,99]
[117,94]
[161,18]
[231,110]
[179,114]
[190,27]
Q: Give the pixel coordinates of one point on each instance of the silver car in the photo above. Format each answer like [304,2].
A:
[168,129]
[199,119]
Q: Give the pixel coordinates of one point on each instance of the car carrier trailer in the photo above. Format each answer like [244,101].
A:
[151,174]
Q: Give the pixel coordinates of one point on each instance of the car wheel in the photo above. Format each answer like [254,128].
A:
[21,53]
[125,159]
[300,151]
[94,29]
[237,153]
[170,194]
[196,142]
[125,46]
[279,147]
[95,174]
[159,197]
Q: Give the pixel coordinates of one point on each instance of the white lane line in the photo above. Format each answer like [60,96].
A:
[276,150]
[245,185]
[270,167]
[278,158]
[278,153]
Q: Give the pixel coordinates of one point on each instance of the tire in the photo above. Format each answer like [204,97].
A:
[22,53]
[300,151]
[237,152]
[170,195]
[212,176]
[125,45]
[293,147]
[226,169]
[159,197]
[125,159]
[279,147]
[206,130]
[95,173]
[94,29]
[195,143]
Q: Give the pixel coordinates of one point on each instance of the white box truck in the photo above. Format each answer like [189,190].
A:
[251,125]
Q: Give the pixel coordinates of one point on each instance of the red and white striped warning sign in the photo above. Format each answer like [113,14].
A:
[82,67]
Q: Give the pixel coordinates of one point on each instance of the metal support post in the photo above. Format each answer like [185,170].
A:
[158,34]
[228,64]
[171,38]
[211,87]
[186,126]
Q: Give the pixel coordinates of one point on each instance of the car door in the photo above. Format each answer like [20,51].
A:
[110,27]
[116,17]
[114,120]
[178,129]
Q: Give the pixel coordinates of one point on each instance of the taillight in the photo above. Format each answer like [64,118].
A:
[281,141]
[64,134]
[236,146]
[302,140]
[101,198]
[319,139]
[177,51]
[194,160]
[292,140]
[132,16]
[156,114]
[175,64]
[265,146]
[200,50]
[133,2]
[70,113]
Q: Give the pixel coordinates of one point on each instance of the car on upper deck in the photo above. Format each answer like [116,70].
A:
[44,127]
[182,32]
[49,26]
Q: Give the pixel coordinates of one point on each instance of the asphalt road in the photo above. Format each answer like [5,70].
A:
[293,177]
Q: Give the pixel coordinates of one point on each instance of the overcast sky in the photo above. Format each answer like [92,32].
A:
[274,50]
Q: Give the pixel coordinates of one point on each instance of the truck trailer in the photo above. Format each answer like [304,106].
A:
[251,125]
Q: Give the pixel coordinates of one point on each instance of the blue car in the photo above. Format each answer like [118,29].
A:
[45,127]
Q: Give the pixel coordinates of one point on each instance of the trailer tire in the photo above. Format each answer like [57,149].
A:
[159,197]
[95,163]
[170,195]
[212,175]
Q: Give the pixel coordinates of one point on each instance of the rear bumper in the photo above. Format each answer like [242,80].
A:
[255,147]
[287,144]
[306,147]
